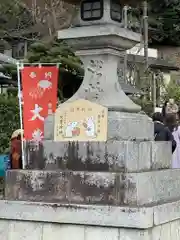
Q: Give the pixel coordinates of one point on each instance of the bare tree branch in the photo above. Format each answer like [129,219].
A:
[54,14]
[33,19]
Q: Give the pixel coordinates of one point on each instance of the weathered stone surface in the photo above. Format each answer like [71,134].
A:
[128,126]
[66,232]
[17,230]
[54,186]
[142,217]
[165,213]
[94,215]
[112,156]
[27,220]
[133,189]
[110,36]
[161,155]
[170,230]
[34,155]
[24,230]
[152,187]
[101,233]
[4,229]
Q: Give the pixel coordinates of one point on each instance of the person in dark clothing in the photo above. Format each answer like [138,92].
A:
[170,121]
[164,109]
[178,114]
[161,131]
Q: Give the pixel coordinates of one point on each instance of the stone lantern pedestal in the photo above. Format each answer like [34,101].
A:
[100,46]
[121,189]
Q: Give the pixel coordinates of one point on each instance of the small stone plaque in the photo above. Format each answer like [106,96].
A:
[81,120]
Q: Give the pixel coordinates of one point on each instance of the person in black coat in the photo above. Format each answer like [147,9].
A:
[164,109]
[170,121]
[161,131]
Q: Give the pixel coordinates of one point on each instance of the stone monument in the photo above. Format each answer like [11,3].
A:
[120,187]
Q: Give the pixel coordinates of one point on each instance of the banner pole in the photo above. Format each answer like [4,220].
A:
[20,113]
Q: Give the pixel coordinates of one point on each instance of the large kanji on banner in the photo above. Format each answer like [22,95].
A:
[39,90]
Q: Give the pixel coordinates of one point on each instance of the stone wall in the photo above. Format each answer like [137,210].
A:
[23,220]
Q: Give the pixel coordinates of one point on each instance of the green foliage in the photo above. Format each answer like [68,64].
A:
[9,120]
[172,91]
[9,70]
[164,21]
[55,52]
[70,66]
[70,72]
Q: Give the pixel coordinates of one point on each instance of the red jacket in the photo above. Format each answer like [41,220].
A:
[15,153]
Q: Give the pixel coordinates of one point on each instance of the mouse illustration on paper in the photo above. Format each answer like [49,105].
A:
[70,129]
[89,125]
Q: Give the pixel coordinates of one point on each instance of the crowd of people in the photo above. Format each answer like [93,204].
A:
[167,128]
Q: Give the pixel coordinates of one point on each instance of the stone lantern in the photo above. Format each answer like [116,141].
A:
[123,2]
[120,189]
[100,12]
[99,39]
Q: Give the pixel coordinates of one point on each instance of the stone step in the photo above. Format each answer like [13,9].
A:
[115,156]
[133,189]
[82,214]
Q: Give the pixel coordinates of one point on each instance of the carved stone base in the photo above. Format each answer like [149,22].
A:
[105,188]
[114,173]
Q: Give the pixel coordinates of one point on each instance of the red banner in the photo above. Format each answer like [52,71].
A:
[39,90]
